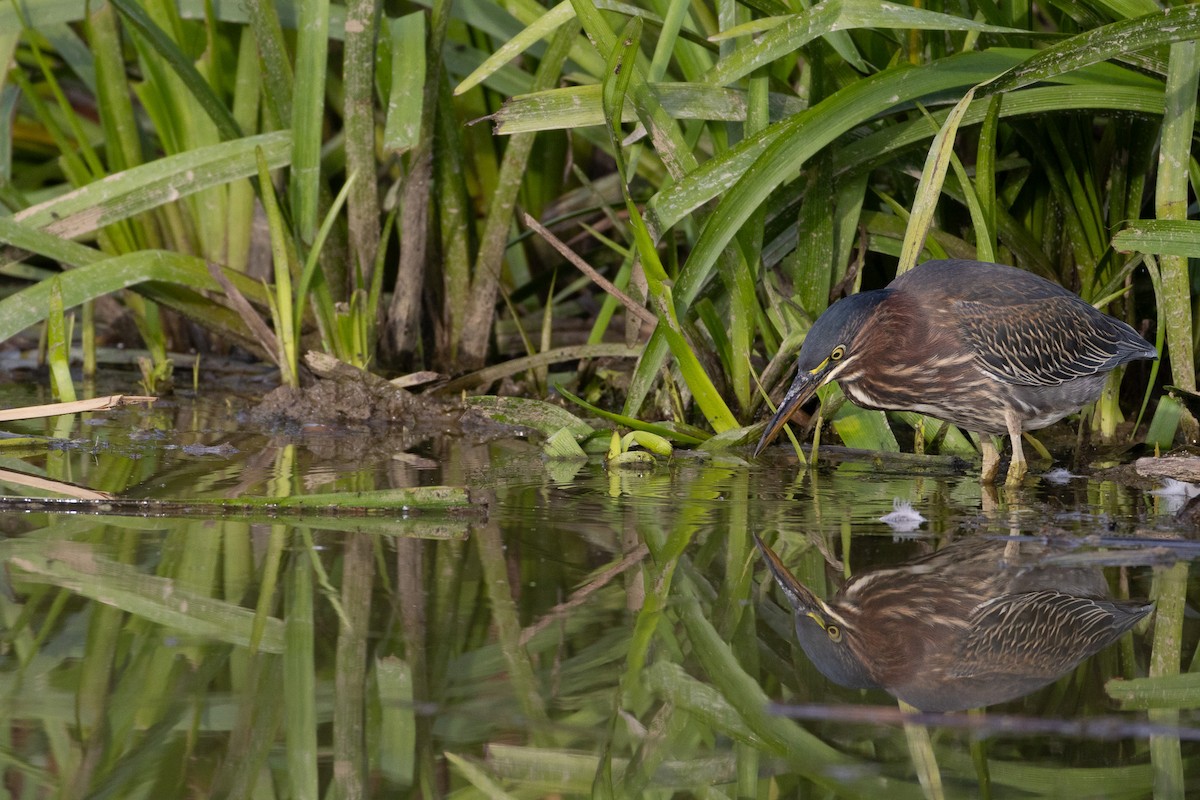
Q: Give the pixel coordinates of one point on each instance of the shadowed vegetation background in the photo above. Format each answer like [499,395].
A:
[731,168]
[267,178]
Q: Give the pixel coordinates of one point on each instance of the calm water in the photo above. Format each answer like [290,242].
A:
[572,631]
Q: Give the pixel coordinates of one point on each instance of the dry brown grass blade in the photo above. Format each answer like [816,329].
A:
[580,596]
[48,485]
[641,312]
[77,406]
[266,337]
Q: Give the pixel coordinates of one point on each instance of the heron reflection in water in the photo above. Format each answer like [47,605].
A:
[978,622]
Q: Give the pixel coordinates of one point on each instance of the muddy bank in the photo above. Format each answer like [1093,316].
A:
[345,398]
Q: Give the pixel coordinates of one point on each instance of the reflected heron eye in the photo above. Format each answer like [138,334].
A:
[835,633]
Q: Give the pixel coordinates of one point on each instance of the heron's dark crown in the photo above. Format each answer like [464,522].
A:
[840,324]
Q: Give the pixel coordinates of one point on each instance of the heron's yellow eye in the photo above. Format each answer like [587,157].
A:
[838,352]
[835,633]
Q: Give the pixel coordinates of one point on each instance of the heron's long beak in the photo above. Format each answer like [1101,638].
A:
[798,596]
[802,389]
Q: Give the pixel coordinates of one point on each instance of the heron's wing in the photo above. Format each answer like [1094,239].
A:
[1046,341]
[1042,633]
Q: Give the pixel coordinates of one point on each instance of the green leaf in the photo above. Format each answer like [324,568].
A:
[397,720]
[864,429]
[632,459]
[1178,24]
[541,28]
[140,20]
[58,347]
[83,571]
[1160,236]
[788,34]
[929,189]
[407,97]
[544,417]
[29,306]
[1164,424]
[562,444]
[569,107]
[1171,199]
[308,114]
[693,437]
[658,445]
[1167,691]
[148,186]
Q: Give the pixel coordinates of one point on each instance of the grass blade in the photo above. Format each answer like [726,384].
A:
[137,17]
[937,162]
[403,127]
[308,114]
[1171,203]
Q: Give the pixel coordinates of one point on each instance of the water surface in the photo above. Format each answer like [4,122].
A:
[571,631]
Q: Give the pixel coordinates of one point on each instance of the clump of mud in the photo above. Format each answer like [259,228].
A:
[347,399]
[336,402]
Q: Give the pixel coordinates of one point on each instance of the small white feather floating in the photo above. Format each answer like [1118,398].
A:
[1059,476]
[903,517]
[1175,494]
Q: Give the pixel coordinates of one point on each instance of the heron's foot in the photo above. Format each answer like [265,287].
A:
[991,460]
[1018,466]
[1016,472]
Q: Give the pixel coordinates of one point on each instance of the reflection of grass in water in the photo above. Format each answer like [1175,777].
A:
[659,680]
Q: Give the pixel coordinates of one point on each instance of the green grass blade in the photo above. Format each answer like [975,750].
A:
[28,306]
[521,677]
[310,284]
[397,720]
[122,195]
[478,777]
[88,574]
[58,346]
[1165,754]
[1171,203]
[1178,24]
[794,32]
[276,66]
[113,94]
[299,679]
[540,29]
[1177,237]
[247,96]
[812,265]
[29,238]
[985,178]
[137,17]
[1181,691]
[283,307]
[570,107]
[350,667]
[358,73]
[308,113]
[937,162]
[634,423]
[403,127]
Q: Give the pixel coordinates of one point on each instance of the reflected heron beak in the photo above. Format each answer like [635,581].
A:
[798,595]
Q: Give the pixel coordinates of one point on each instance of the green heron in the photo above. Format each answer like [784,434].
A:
[988,347]
[976,623]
